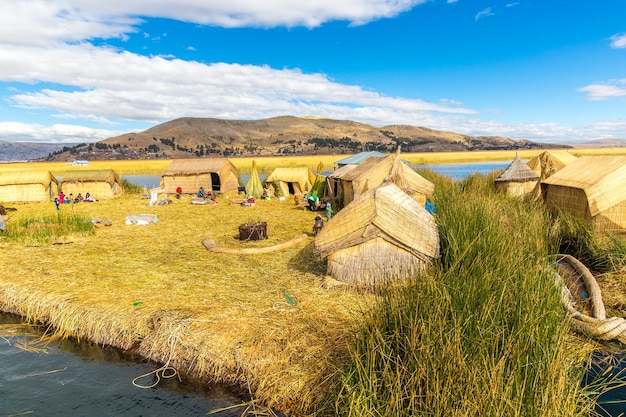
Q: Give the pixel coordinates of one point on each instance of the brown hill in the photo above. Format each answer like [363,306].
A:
[189,137]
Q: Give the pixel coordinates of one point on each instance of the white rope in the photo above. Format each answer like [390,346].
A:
[165,371]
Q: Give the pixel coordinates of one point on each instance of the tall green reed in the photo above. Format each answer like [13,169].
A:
[37,231]
[482,333]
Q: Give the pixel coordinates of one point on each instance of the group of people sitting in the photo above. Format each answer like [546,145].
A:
[208,195]
[67,199]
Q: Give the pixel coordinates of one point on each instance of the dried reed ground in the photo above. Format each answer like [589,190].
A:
[224,318]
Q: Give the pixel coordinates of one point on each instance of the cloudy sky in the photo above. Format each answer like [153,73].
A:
[543,70]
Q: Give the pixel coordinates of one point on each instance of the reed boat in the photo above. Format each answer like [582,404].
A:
[582,297]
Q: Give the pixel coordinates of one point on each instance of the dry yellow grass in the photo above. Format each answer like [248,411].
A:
[157,290]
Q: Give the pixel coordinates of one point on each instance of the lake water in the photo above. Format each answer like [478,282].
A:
[454,171]
[66,378]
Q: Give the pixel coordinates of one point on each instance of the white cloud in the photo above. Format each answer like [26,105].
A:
[483,13]
[121,85]
[59,133]
[618,41]
[605,91]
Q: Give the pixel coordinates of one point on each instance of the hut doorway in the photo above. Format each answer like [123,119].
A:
[215,181]
[291,189]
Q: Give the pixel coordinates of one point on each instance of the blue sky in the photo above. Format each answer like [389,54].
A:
[84,70]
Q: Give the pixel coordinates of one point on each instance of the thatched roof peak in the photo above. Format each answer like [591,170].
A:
[518,171]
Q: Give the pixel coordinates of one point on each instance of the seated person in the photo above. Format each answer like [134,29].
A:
[79,198]
[201,192]
[179,191]
[89,198]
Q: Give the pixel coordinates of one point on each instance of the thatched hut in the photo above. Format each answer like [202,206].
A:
[593,188]
[382,236]
[28,186]
[291,180]
[517,179]
[102,184]
[350,181]
[214,174]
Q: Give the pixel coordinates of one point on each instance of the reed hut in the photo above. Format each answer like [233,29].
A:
[593,188]
[102,184]
[348,183]
[383,236]
[518,179]
[214,174]
[36,186]
[291,180]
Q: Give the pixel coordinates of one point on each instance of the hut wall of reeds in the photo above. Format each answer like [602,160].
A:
[592,187]
[517,179]
[382,236]
[101,184]
[214,174]
[28,186]
[291,180]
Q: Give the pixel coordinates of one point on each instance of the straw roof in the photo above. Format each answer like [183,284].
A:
[43,177]
[384,212]
[357,158]
[549,162]
[518,171]
[92,175]
[254,186]
[299,175]
[601,178]
[365,167]
[199,166]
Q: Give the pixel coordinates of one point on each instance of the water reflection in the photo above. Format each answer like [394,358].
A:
[65,378]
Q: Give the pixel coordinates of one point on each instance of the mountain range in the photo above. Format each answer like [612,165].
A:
[284,135]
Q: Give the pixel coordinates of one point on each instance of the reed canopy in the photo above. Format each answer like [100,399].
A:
[291,181]
[593,188]
[33,186]
[381,237]
[214,174]
[350,181]
[518,179]
[101,184]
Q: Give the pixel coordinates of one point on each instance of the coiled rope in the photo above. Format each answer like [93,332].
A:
[165,371]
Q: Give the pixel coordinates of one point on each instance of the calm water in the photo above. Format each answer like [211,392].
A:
[455,171]
[70,379]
